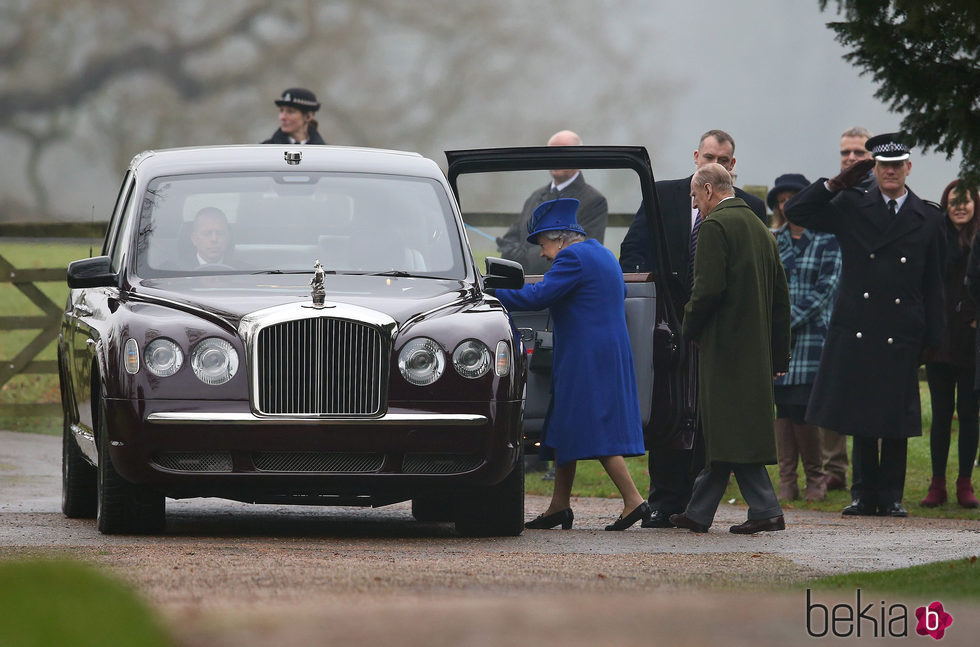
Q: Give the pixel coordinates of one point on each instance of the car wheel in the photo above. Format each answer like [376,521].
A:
[496,511]
[78,478]
[123,507]
[433,509]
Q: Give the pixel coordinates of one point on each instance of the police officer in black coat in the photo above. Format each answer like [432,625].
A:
[889,307]
[297,107]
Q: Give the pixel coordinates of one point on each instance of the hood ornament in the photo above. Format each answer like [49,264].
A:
[318,293]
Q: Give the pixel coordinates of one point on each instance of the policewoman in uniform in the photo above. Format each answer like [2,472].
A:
[889,308]
[297,107]
[594,411]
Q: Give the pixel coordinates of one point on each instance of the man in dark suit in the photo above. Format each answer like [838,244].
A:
[889,307]
[636,253]
[673,469]
[565,183]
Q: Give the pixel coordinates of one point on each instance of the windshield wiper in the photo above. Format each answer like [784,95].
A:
[393,273]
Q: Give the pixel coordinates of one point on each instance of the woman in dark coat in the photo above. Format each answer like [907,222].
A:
[951,367]
[594,411]
[297,106]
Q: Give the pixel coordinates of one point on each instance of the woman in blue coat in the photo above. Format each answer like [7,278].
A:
[594,412]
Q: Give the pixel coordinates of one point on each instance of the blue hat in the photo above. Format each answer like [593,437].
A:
[890,147]
[787,182]
[554,215]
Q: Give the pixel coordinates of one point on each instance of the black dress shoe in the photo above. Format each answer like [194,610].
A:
[893,510]
[563,518]
[659,519]
[753,526]
[681,521]
[641,511]
[859,508]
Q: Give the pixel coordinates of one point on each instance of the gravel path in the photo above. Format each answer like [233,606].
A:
[235,574]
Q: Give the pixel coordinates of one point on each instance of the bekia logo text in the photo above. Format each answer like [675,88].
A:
[874,619]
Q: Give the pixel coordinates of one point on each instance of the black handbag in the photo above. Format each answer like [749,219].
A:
[675,384]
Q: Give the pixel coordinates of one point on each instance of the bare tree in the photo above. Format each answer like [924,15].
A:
[107,79]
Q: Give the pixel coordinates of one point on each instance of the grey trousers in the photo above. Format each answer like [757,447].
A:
[834,447]
[753,482]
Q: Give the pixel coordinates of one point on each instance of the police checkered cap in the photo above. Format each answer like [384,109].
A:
[889,147]
[299,98]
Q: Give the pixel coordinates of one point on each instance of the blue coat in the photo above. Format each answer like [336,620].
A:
[594,409]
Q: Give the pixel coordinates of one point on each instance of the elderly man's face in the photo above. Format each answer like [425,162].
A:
[210,237]
[701,195]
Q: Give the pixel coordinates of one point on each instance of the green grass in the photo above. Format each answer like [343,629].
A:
[958,578]
[50,602]
[591,479]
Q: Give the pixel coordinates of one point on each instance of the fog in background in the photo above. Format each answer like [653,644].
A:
[86,84]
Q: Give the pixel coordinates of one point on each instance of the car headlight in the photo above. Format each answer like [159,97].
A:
[421,361]
[472,359]
[163,357]
[214,361]
[501,365]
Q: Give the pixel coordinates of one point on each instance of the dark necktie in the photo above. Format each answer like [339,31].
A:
[892,207]
[694,247]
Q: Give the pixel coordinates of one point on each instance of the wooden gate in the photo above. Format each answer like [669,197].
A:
[25,280]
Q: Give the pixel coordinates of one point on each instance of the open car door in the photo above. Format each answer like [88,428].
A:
[491,185]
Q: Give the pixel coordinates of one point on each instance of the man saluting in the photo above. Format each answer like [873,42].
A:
[889,306]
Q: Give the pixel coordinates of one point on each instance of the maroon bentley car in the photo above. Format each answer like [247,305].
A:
[290,325]
[307,325]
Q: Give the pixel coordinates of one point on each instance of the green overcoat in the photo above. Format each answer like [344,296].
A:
[739,316]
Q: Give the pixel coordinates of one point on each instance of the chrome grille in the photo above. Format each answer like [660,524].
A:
[320,366]
[194,461]
[316,462]
[440,463]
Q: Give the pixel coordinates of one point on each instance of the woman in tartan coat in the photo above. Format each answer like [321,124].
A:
[812,262]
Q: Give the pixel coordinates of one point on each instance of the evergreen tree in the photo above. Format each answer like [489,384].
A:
[925,57]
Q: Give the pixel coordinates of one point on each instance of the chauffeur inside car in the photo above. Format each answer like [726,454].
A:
[211,237]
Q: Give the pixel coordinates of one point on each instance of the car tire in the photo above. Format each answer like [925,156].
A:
[78,478]
[496,511]
[123,507]
[433,509]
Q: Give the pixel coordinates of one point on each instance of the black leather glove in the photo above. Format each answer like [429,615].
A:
[851,176]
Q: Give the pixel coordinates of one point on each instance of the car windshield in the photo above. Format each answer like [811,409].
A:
[285,222]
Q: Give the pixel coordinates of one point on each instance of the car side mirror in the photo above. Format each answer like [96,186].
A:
[92,273]
[508,275]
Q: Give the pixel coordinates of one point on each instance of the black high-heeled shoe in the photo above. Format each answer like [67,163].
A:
[641,511]
[542,522]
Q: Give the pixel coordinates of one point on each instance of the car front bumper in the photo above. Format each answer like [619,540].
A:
[221,448]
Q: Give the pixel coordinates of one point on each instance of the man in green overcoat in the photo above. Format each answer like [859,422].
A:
[739,317]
